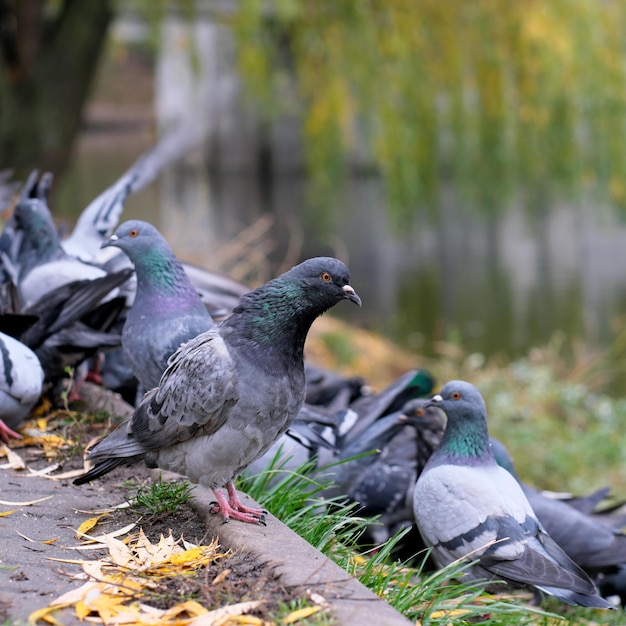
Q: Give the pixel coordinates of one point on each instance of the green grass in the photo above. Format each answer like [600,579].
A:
[161,497]
[565,431]
[335,530]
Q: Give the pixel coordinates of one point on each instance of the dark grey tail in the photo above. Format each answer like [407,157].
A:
[100,470]
[577,599]
[117,448]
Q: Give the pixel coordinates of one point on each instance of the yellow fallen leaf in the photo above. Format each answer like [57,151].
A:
[222,576]
[87,525]
[30,503]
[50,541]
[82,610]
[15,461]
[41,423]
[191,607]
[64,475]
[296,616]
[119,552]
[102,538]
[212,618]
[450,613]
[46,614]
[45,471]
[6,513]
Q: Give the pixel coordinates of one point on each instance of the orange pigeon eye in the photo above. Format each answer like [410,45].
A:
[326,277]
[133,233]
[456,395]
[420,412]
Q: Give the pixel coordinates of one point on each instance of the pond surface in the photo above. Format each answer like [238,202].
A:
[494,284]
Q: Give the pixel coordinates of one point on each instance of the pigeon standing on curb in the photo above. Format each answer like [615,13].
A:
[167,310]
[232,391]
[21,381]
[466,505]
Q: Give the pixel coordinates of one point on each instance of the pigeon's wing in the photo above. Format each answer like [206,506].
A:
[588,542]
[103,213]
[538,561]
[195,394]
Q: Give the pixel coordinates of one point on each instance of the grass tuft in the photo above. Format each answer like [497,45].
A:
[161,497]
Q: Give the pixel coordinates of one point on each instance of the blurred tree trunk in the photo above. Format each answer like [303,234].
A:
[49,55]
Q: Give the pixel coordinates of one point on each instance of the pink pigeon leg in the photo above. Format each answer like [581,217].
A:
[228,512]
[6,434]
[238,505]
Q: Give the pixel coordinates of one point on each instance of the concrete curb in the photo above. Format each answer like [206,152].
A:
[297,562]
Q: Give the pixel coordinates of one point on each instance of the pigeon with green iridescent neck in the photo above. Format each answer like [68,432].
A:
[228,394]
[167,310]
[466,505]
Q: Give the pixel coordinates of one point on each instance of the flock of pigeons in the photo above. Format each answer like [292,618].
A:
[217,376]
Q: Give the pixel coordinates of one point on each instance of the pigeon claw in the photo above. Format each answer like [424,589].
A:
[6,434]
[233,508]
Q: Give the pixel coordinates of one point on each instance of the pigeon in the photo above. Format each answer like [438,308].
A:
[41,263]
[228,394]
[21,383]
[329,389]
[591,544]
[411,384]
[166,311]
[72,323]
[466,505]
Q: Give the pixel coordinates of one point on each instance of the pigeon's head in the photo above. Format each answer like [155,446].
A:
[424,414]
[134,237]
[33,217]
[323,280]
[459,398]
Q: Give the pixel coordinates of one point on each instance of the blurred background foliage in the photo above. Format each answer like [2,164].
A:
[494,95]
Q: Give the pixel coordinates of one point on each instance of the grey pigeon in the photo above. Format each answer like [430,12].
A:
[41,264]
[466,505]
[166,311]
[21,381]
[593,545]
[228,394]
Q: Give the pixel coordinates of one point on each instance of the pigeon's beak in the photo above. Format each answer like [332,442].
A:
[433,401]
[351,295]
[111,241]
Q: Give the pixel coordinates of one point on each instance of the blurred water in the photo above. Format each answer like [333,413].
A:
[494,284]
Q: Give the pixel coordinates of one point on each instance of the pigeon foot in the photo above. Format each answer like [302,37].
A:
[6,434]
[238,505]
[233,508]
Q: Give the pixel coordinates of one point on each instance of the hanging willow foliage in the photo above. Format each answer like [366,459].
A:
[490,94]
